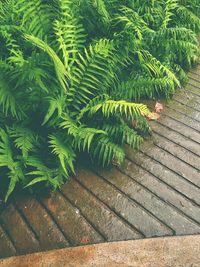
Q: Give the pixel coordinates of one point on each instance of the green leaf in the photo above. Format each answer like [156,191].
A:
[35,181]
[59,66]
[11,187]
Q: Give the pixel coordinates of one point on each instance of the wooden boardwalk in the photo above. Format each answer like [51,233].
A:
[156,192]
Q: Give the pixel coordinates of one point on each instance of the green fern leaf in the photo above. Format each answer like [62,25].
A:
[63,151]
[59,66]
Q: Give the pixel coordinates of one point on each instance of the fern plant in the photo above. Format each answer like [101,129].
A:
[72,77]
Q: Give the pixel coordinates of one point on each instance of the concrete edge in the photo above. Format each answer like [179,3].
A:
[155,252]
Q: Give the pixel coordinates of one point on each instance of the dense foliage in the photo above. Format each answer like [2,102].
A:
[72,73]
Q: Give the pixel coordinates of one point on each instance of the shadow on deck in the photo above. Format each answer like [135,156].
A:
[155,193]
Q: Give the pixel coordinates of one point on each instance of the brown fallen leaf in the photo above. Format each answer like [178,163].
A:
[158,107]
[51,205]
[153,116]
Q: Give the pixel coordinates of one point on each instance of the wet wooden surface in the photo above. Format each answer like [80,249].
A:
[156,192]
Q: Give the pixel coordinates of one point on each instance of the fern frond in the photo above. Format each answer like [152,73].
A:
[121,133]
[63,151]
[105,152]
[185,52]
[178,33]
[69,31]
[7,160]
[59,66]
[36,16]
[8,40]
[32,70]
[8,7]
[6,156]
[132,21]
[101,7]
[188,19]
[55,104]
[8,100]
[170,6]
[181,74]
[100,99]
[131,111]
[178,44]
[92,71]
[15,175]
[155,67]
[181,43]
[140,87]
[82,136]
[24,139]
[151,11]
[41,173]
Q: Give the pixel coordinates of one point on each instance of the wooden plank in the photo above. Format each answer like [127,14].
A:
[137,216]
[168,112]
[195,82]
[177,150]
[196,70]
[193,89]
[166,189]
[181,108]
[6,247]
[194,77]
[99,215]
[165,175]
[181,128]
[175,114]
[177,138]
[195,73]
[191,93]
[189,96]
[22,236]
[172,162]
[159,208]
[49,236]
[71,221]
[192,102]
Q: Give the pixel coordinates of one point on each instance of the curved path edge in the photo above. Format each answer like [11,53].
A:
[163,252]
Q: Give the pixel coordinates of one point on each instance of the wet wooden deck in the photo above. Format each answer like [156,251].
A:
[155,193]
